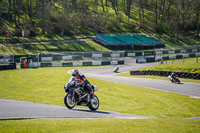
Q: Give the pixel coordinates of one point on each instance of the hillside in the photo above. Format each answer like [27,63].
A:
[176,23]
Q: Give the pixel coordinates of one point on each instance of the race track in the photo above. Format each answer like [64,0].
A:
[15,110]
[106,73]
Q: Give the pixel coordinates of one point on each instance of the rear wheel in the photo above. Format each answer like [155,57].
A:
[69,102]
[94,103]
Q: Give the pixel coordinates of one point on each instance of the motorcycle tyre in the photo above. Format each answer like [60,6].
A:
[91,107]
[66,103]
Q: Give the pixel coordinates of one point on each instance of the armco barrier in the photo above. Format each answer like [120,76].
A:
[80,55]
[8,67]
[179,56]
[69,64]
[192,55]
[57,57]
[45,64]
[167,73]
[162,52]
[120,62]
[106,62]
[164,58]
[74,64]
[87,63]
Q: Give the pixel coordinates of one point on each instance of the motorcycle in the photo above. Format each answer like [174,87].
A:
[116,69]
[175,79]
[77,95]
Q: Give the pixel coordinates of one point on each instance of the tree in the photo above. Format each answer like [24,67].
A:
[102,5]
[128,9]
[9,9]
[162,17]
[197,13]
[43,19]
[114,5]
[14,10]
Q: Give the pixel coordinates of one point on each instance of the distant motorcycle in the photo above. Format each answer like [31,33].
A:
[78,95]
[175,79]
[116,69]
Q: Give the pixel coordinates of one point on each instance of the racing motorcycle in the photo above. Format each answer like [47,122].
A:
[175,79]
[116,69]
[76,94]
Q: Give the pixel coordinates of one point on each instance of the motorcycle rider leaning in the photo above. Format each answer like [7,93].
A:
[172,75]
[81,80]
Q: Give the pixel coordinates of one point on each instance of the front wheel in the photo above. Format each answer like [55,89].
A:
[94,103]
[69,102]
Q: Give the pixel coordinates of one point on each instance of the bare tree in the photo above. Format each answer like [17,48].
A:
[9,9]
[15,13]
[114,6]
[197,13]
[43,19]
[162,17]
[102,5]
[156,11]
[128,8]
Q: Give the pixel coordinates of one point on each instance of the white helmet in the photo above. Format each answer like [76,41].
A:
[75,72]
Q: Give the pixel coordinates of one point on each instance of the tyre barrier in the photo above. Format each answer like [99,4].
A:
[74,64]
[167,73]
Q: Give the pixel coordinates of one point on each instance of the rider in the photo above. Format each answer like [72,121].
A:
[81,80]
[172,75]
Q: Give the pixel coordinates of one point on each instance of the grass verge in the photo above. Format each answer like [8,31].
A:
[101,126]
[45,85]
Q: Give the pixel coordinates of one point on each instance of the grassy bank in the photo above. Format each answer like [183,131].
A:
[76,46]
[59,46]
[189,65]
[15,39]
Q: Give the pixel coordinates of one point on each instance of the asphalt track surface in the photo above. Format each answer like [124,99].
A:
[16,110]
[11,109]
[106,73]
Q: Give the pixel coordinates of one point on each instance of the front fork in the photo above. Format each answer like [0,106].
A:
[90,96]
[72,95]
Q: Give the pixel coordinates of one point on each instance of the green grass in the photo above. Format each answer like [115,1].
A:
[13,40]
[45,85]
[64,46]
[100,126]
[184,42]
[189,65]
[10,50]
